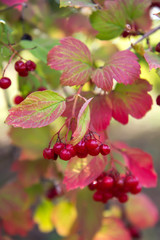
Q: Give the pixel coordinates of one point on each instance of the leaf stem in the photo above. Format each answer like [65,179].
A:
[75,101]
[144,36]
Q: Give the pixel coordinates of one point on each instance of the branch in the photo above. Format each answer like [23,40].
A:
[145,36]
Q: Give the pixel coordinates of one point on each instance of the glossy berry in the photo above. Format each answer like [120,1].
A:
[91,144]
[52,193]
[58,147]
[20,66]
[104,149]
[158,100]
[92,186]
[23,74]
[157,48]
[125,34]
[81,147]
[94,151]
[18,99]
[71,149]
[137,189]
[5,82]
[82,154]
[131,181]
[123,198]
[30,65]
[48,153]
[65,154]
[134,232]
[41,89]
[119,183]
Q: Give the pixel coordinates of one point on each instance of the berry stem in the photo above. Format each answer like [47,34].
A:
[8,63]
[146,35]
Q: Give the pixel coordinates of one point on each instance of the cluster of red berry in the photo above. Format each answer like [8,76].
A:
[81,150]
[24,67]
[111,184]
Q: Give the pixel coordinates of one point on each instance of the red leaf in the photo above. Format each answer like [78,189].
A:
[112,229]
[83,121]
[30,172]
[18,223]
[152,59]
[122,66]
[37,110]
[74,58]
[144,214]
[140,163]
[12,198]
[11,3]
[82,171]
[131,99]
[101,112]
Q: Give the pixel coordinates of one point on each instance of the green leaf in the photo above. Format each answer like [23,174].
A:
[109,23]
[39,47]
[89,214]
[82,123]
[77,3]
[42,216]
[39,109]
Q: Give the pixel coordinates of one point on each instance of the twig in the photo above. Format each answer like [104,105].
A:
[145,36]
[24,5]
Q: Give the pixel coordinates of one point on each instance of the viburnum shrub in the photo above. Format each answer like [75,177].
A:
[75,74]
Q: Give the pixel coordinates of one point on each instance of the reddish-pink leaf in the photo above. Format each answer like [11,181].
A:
[82,171]
[37,110]
[152,59]
[101,112]
[131,99]
[112,229]
[74,58]
[13,2]
[140,163]
[144,214]
[122,66]
[83,121]
[18,223]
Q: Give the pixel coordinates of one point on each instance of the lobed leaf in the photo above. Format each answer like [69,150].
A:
[37,110]
[74,58]
[140,163]
[112,229]
[122,66]
[90,222]
[131,99]
[145,212]
[152,59]
[81,172]
[83,121]
[101,112]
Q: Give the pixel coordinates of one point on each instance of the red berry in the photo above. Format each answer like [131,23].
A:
[137,189]
[58,147]
[135,232]
[104,149]
[158,100]
[107,182]
[41,89]
[5,82]
[20,66]
[101,176]
[65,154]
[93,185]
[131,181]
[71,149]
[48,153]
[81,147]
[157,48]
[125,34]
[91,144]
[55,156]
[119,182]
[107,196]
[98,196]
[123,198]
[30,65]
[23,73]
[94,152]
[82,154]
[18,99]
[52,193]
